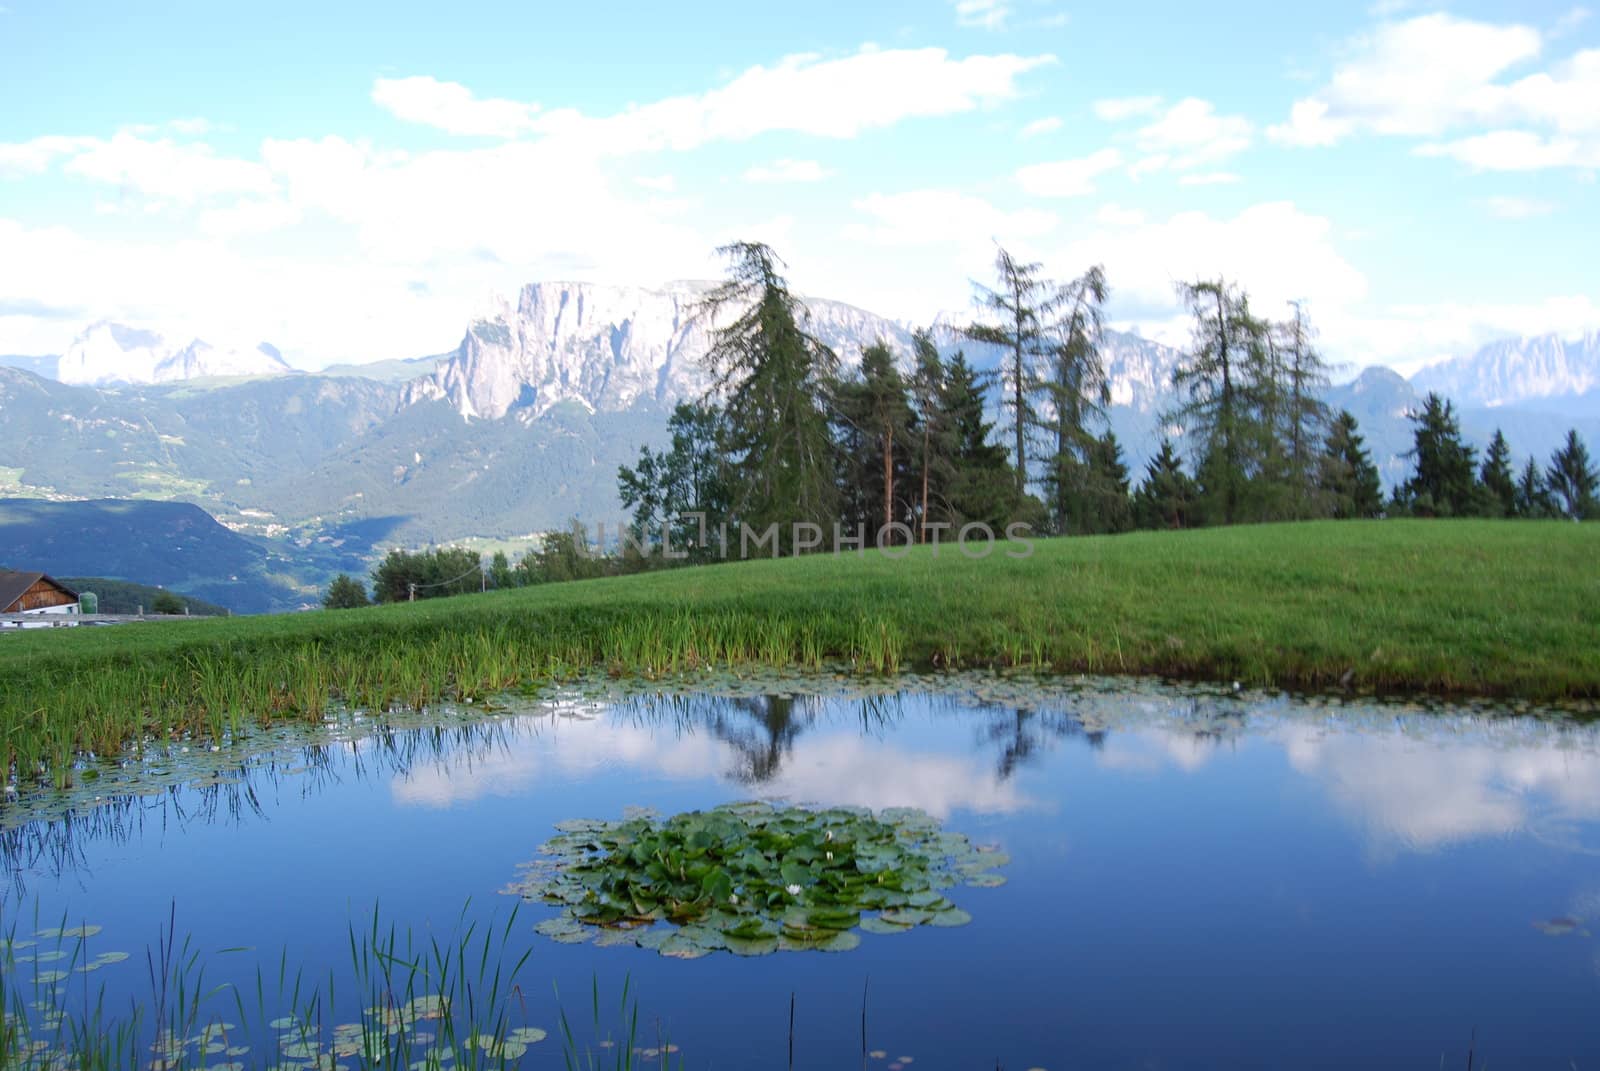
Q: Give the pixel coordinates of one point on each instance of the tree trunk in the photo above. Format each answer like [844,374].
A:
[888,476]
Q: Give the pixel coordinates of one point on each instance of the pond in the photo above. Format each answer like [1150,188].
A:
[1181,877]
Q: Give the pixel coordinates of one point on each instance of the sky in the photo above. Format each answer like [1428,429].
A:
[353,182]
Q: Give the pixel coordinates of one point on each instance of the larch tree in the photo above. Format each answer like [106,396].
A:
[1024,310]
[1305,413]
[934,435]
[1213,407]
[1076,389]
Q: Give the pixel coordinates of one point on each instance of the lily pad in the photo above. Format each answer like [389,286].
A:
[750,877]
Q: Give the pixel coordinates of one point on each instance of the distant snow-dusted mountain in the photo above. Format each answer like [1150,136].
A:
[111,353]
[607,348]
[611,347]
[1542,371]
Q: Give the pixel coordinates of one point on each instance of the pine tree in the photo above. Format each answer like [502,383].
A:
[1166,498]
[1025,308]
[1499,484]
[1572,480]
[981,485]
[1106,506]
[1445,483]
[773,376]
[1347,479]
[1533,497]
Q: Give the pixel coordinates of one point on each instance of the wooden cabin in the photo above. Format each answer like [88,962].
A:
[35,595]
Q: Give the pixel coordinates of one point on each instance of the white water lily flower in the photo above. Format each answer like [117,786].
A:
[734,899]
[827,834]
[830,856]
[793,890]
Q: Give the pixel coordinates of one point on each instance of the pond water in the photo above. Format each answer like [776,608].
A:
[1194,880]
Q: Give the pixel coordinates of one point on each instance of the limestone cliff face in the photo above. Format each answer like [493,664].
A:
[607,347]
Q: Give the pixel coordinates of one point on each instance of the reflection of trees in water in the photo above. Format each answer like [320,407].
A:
[202,793]
[762,730]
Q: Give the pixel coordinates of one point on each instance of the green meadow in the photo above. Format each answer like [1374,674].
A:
[1483,608]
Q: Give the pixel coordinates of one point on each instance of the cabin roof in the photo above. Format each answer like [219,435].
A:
[14,585]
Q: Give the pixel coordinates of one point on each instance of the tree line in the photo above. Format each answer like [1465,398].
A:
[787,440]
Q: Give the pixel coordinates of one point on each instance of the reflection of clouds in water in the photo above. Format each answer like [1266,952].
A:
[1148,750]
[1411,788]
[838,767]
[871,773]
[1431,792]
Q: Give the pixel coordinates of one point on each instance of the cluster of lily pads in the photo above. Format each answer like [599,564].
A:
[416,1028]
[753,878]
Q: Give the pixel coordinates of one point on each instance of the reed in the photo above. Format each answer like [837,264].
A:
[447,1002]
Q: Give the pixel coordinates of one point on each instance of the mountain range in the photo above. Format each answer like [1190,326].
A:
[524,424]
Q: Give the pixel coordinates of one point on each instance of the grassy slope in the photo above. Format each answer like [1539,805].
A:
[1494,608]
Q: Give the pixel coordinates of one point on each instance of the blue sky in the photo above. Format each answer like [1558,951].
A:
[351,184]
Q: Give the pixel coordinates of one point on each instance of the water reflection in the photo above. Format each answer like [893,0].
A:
[1408,780]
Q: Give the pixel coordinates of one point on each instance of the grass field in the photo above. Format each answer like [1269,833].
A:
[1479,607]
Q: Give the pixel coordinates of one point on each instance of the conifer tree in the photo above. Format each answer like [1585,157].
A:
[773,376]
[1499,485]
[1024,310]
[1347,479]
[1572,480]
[1075,389]
[1533,497]
[1166,498]
[1305,413]
[931,431]
[981,486]
[1213,409]
[878,413]
[1106,506]
[1445,482]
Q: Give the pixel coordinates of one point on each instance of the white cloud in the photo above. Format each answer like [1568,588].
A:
[1048,125]
[1516,150]
[1276,251]
[787,171]
[253,216]
[1117,216]
[36,155]
[803,94]
[1434,74]
[984,14]
[1117,109]
[1068,178]
[452,107]
[1517,207]
[1210,178]
[184,172]
[658,183]
[1191,134]
[1417,77]
[944,217]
